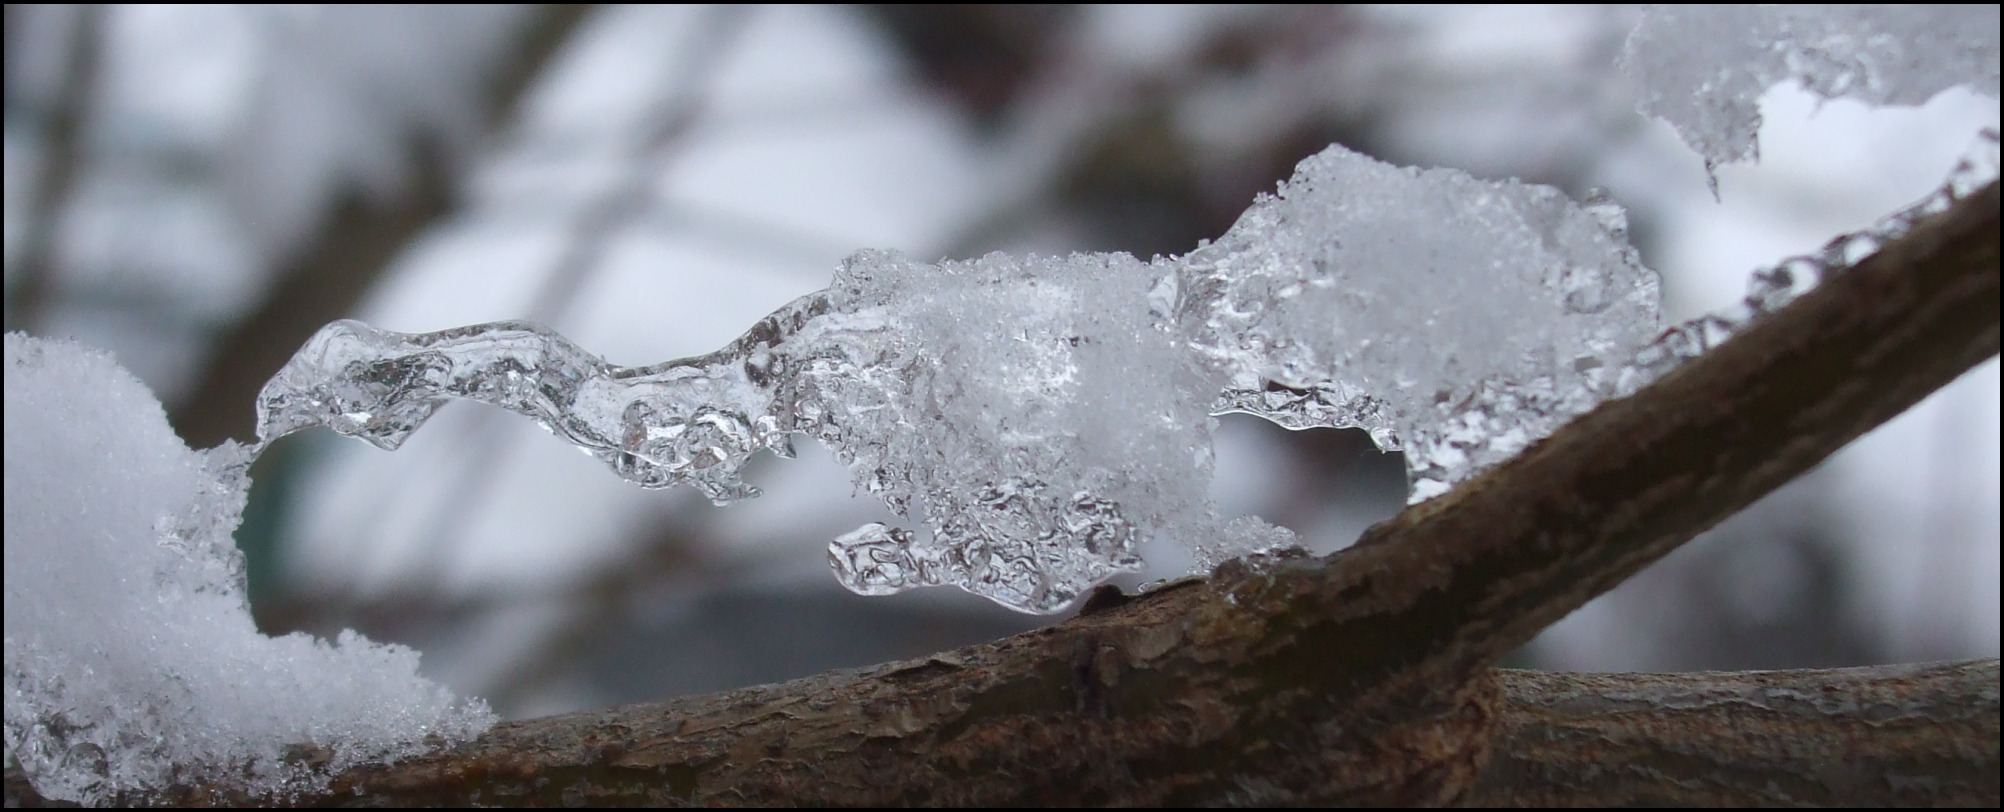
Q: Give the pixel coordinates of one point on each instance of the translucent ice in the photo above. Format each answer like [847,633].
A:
[131,659]
[1456,318]
[1035,410]
[1045,415]
[1703,68]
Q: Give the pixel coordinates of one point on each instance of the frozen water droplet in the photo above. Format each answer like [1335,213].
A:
[1770,289]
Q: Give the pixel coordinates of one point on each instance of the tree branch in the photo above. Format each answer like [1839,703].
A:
[1891,736]
[1365,677]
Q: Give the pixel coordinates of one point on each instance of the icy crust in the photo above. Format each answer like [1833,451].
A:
[1454,318]
[1046,415]
[1704,68]
[131,658]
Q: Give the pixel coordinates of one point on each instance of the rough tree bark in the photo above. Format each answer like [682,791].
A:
[1367,677]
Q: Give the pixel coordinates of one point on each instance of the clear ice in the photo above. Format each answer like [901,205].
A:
[1772,288]
[1046,415]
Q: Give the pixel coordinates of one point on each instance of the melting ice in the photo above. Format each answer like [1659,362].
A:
[1045,415]
[1703,68]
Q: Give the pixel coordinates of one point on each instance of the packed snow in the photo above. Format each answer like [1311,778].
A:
[131,658]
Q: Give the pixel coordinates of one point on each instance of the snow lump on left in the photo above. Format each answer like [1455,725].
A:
[131,657]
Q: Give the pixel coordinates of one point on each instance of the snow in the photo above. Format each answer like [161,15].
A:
[1704,68]
[131,657]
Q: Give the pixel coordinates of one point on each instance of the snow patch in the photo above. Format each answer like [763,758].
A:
[131,657]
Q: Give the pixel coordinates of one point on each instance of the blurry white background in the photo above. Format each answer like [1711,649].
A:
[199,188]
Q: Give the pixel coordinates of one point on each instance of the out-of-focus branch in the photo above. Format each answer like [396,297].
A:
[62,150]
[1366,677]
[349,251]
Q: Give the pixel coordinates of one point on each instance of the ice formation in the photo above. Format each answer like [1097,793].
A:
[1045,415]
[1704,68]
[1455,318]
[131,658]
[1772,288]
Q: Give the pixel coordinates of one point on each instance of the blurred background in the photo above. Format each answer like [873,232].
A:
[199,188]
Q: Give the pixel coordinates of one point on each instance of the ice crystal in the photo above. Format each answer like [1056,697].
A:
[1456,318]
[1046,415]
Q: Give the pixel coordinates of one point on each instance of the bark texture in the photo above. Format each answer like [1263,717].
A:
[1367,677]
[1893,736]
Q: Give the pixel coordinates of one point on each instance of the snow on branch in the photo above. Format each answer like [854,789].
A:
[1366,677]
[1703,68]
[1045,415]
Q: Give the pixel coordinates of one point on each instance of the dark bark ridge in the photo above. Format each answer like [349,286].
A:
[1367,677]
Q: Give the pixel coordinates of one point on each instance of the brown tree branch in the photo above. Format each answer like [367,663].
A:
[1365,677]
[1890,736]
